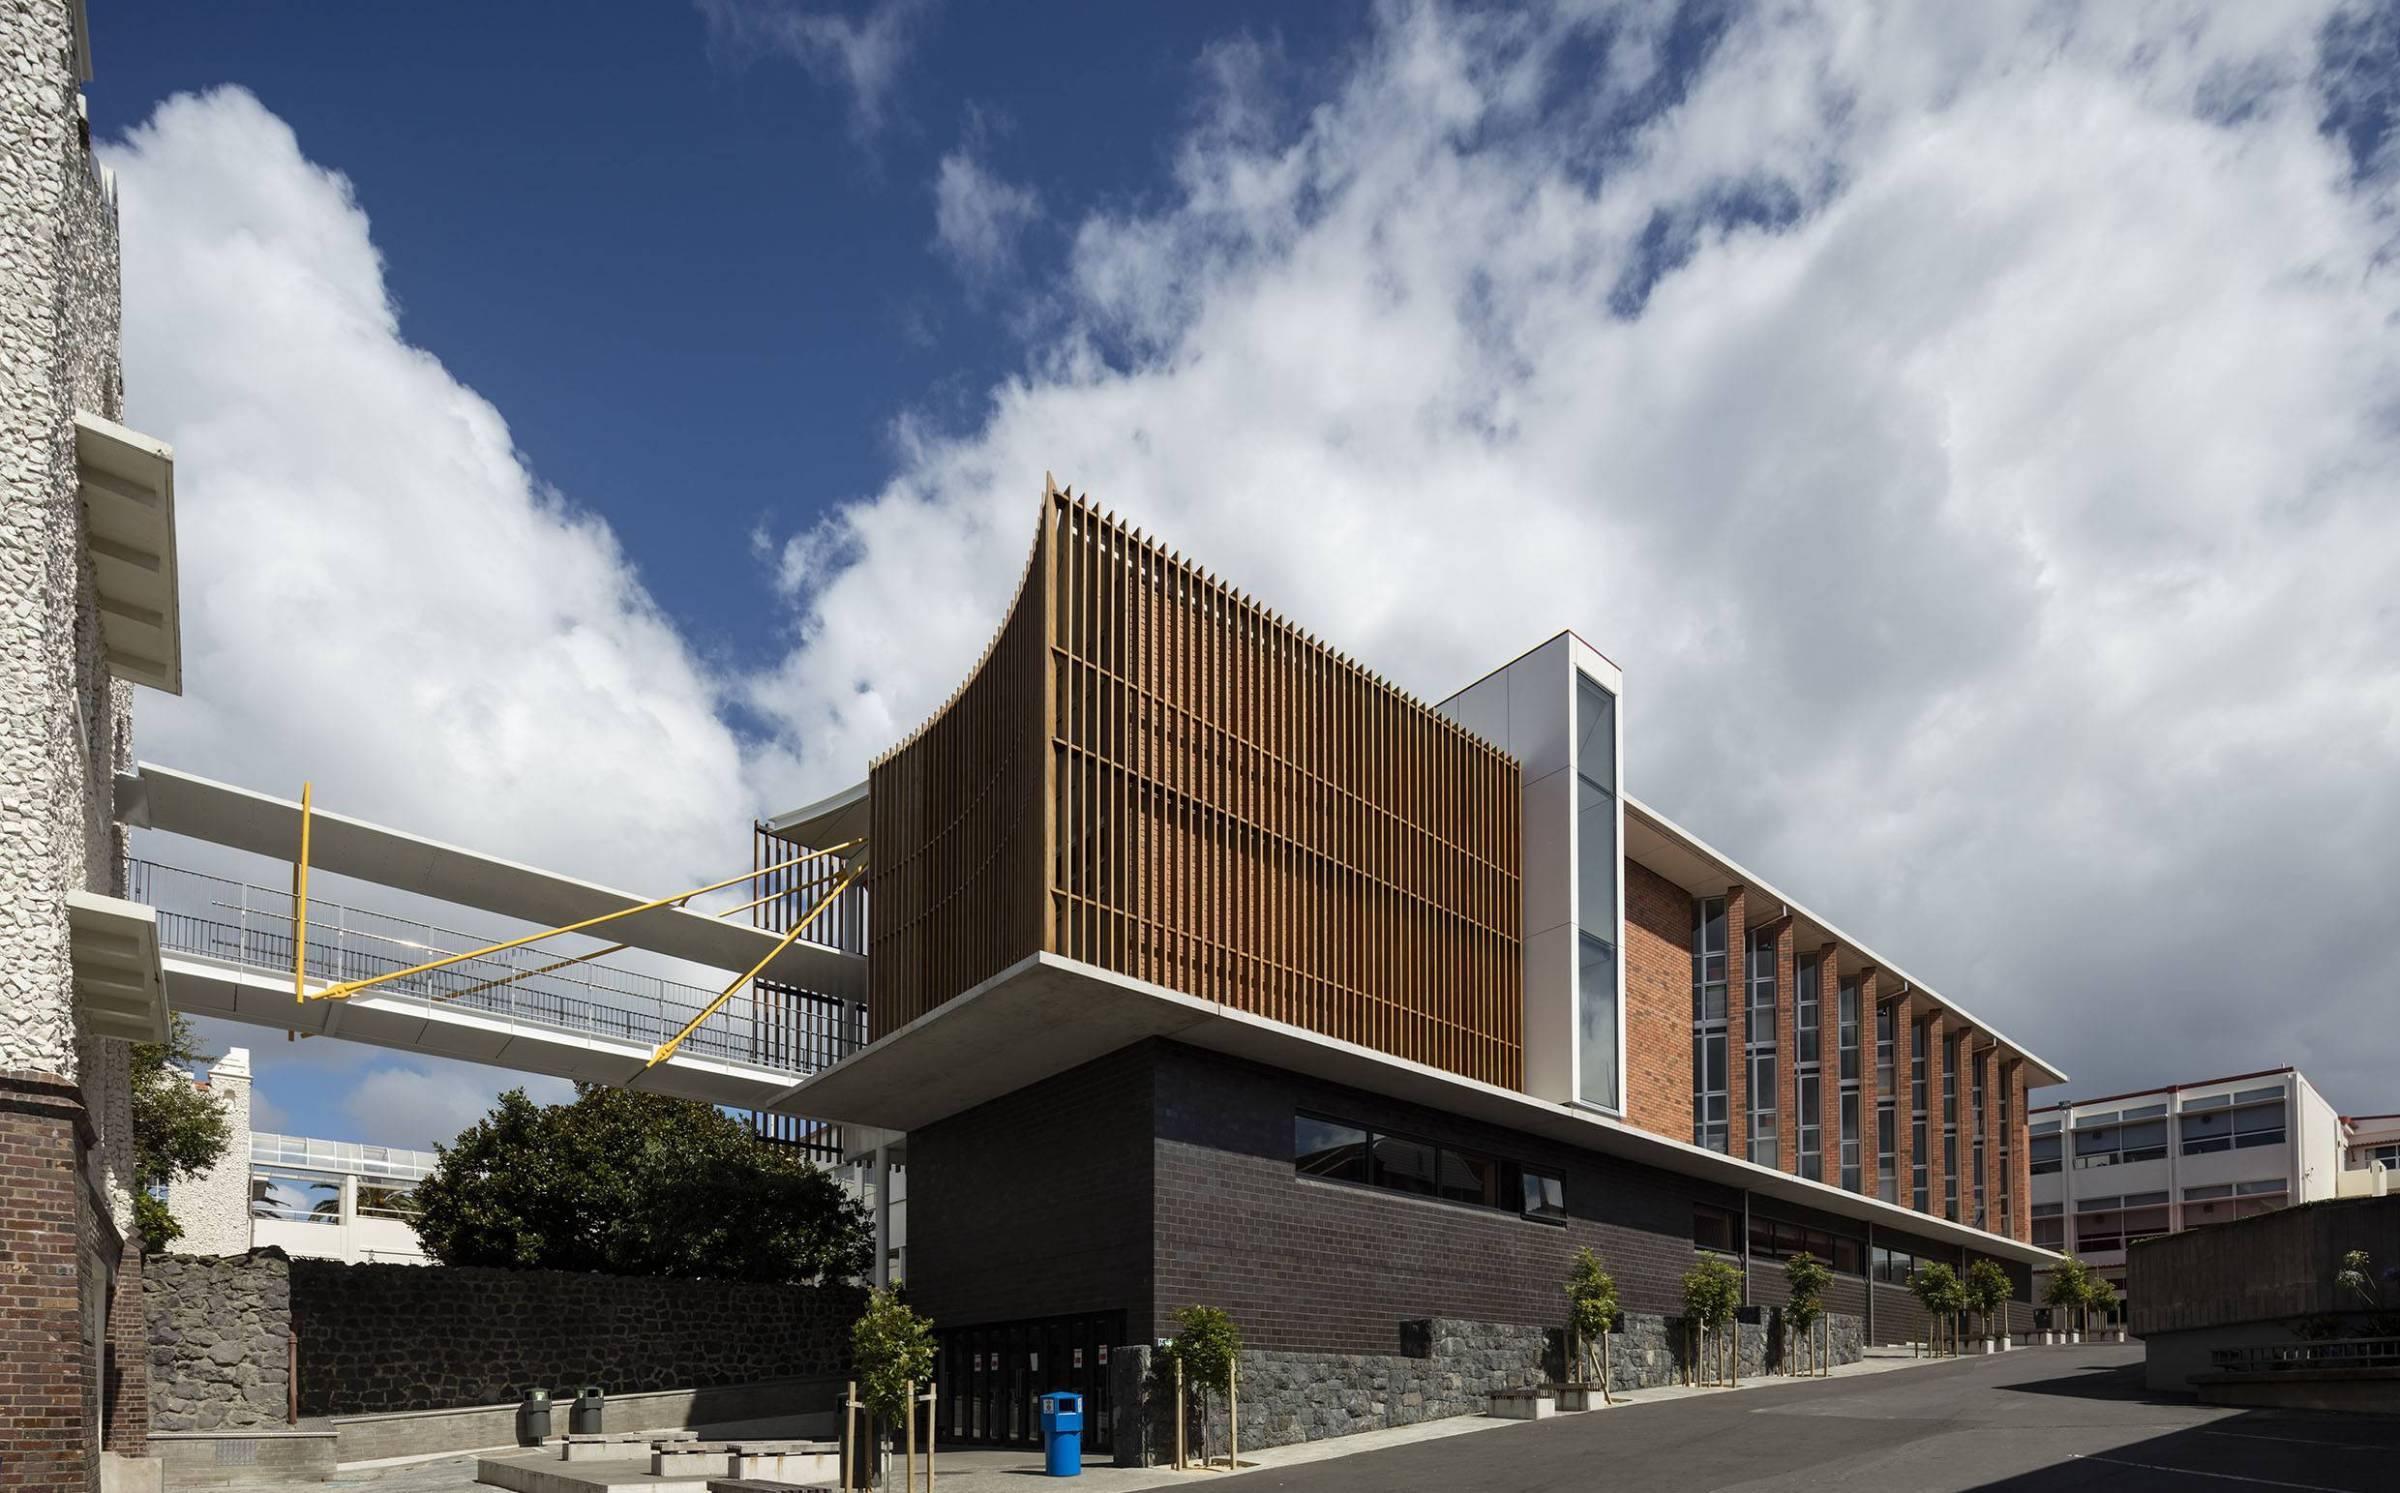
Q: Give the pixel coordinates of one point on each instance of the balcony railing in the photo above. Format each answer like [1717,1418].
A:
[247,926]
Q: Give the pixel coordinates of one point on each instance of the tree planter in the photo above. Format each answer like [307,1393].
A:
[1523,1404]
[1573,1397]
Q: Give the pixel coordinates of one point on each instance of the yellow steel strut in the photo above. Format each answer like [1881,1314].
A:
[667,1048]
[352,987]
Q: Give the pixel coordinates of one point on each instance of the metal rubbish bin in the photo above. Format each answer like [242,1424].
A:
[583,1418]
[533,1418]
[1062,1434]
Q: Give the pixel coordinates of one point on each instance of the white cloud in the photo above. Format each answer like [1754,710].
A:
[378,593]
[861,53]
[1974,430]
[419,1105]
[978,217]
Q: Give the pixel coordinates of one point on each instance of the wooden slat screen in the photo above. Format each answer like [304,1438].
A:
[1235,811]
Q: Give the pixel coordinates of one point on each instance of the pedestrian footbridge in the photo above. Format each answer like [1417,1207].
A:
[228,948]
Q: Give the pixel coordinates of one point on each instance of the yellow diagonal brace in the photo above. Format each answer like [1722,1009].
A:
[300,905]
[350,988]
[527,974]
[667,1048]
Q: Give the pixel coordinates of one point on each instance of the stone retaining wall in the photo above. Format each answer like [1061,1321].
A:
[380,1338]
[219,1340]
[1445,1368]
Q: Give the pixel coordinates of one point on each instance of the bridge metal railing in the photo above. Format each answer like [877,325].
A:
[233,922]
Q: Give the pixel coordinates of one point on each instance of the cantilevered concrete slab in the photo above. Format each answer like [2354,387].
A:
[408,1023]
[1045,1015]
[155,797]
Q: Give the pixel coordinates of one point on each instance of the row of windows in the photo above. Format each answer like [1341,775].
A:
[2131,1140]
[1338,1151]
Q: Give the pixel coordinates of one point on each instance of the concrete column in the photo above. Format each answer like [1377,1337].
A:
[883,1215]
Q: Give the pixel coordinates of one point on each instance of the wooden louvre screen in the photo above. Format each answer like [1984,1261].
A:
[1225,806]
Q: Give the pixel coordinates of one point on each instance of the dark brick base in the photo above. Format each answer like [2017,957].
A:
[49,1400]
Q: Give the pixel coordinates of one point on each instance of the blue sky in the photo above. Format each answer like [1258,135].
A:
[1971,428]
[698,285]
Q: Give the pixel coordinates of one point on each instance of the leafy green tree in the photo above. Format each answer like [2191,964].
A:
[2099,1297]
[1987,1287]
[2065,1292]
[625,1183]
[1712,1290]
[1939,1290]
[891,1348]
[1591,1313]
[1206,1343]
[179,1130]
[1806,1277]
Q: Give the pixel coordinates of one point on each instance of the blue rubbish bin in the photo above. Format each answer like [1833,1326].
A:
[1062,1434]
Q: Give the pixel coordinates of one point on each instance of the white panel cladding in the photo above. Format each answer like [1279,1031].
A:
[1528,709]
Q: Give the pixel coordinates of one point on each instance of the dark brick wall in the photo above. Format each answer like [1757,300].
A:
[49,1402]
[1037,1204]
[1310,1266]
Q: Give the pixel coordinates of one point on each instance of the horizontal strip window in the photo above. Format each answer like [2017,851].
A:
[1774,1239]
[1716,1229]
[2233,1129]
[1340,1151]
[1892,1267]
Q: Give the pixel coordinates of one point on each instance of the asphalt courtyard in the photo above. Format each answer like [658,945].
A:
[2038,1419]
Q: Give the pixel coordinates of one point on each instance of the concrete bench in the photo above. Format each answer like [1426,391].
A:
[607,1446]
[807,1462]
[1523,1404]
[762,1485]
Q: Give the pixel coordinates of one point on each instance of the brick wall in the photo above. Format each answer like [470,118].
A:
[1658,1003]
[1037,1204]
[49,1410]
[1313,1266]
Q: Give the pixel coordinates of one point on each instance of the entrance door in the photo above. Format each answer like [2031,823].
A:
[993,1378]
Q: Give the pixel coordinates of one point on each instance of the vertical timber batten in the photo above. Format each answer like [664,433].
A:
[1150,772]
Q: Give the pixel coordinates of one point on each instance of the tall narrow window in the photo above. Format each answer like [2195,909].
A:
[1977,1063]
[1808,1070]
[1887,1109]
[2007,1159]
[1710,1127]
[1761,1041]
[1920,1157]
[1596,869]
[1846,1008]
[1950,1128]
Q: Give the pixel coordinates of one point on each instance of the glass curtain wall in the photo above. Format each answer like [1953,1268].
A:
[1598,861]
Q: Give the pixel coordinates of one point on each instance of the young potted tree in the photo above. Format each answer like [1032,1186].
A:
[1937,1288]
[1591,1315]
[1712,1291]
[1206,1348]
[892,1352]
[1807,1277]
[1987,1290]
[2100,1298]
[2064,1296]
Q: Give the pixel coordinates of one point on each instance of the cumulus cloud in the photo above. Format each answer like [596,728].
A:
[420,1104]
[861,52]
[1974,430]
[378,593]
[978,217]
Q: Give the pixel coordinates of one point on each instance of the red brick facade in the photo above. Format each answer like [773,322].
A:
[1658,1003]
[49,1393]
[1658,1054]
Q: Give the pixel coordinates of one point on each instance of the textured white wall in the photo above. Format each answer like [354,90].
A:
[214,1207]
[63,721]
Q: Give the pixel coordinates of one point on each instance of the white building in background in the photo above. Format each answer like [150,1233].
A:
[312,1199]
[2112,1170]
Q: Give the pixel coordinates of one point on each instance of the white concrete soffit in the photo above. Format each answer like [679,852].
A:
[1692,863]
[127,483]
[156,797]
[119,986]
[1045,1015]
